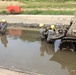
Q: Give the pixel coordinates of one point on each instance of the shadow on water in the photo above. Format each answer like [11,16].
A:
[67,60]
[26,52]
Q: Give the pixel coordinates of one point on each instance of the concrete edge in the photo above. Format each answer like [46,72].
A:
[19,71]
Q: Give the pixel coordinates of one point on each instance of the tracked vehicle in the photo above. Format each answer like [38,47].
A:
[68,42]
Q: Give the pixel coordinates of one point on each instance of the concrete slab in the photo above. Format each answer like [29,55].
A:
[4,71]
[9,72]
[37,19]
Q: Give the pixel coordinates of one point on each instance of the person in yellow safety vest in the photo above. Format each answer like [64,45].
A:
[53,27]
[42,30]
[3,26]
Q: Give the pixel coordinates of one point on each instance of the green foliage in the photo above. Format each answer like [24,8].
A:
[47,7]
[3,12]
[45,12]
[32,12]
[47,0]
[41,0]
[36,12]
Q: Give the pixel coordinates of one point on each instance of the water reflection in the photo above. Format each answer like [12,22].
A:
[4,40]
[24,35]
[30,36]
[15,32]
[27,52]
[67,59]
[56,45]
[46,48]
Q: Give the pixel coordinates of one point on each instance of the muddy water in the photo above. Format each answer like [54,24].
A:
[24,51]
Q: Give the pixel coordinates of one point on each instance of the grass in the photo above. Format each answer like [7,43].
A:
[44,7]
[48,8]
[37,12]
[44,12]
[48,5]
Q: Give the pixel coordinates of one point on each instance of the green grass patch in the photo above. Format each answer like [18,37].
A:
[44,12]
[45,6]
[39,12]
[29,4]
[46,0]
[3,12]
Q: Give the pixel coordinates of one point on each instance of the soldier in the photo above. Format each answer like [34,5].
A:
[42,30]
[3,26]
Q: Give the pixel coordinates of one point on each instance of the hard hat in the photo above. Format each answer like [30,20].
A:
[3,20]
[52,26]
[41,25]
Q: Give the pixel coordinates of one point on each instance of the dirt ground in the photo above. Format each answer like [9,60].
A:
[4,4]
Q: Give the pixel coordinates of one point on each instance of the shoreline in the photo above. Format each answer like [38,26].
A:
[23,28]
[35,20]
[7,71]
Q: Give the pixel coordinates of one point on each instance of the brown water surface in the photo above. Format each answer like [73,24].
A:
[23,50]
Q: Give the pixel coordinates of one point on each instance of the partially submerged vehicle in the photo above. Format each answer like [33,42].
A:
[68,42]
[67,36]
